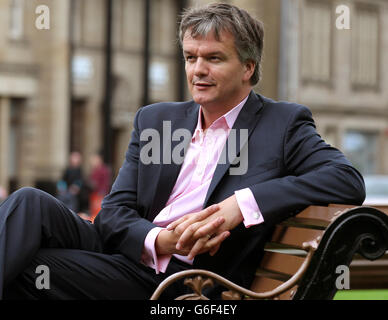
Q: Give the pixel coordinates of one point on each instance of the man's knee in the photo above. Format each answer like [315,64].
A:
[26,192]
[30,198]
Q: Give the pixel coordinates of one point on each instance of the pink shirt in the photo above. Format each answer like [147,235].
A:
[189,192]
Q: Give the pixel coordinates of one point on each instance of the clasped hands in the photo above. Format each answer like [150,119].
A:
[200,232]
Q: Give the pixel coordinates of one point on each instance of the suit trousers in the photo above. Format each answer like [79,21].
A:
[36,230]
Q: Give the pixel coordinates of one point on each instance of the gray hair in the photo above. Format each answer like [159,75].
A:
[248,32]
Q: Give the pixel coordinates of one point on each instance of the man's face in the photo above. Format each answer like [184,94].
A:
[216,78]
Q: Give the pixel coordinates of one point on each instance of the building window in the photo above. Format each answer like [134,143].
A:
[365,47]
[16,23]
[118,11]
[132,24]
[78,8]
[93,33]
[163,49]
[330,135]
[77,125]
[15,143]
[361,148]
[316,41]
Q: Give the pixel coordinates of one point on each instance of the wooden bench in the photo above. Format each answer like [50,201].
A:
[300,262]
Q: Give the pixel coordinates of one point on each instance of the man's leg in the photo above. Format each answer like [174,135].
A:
[31,219]
[77,274]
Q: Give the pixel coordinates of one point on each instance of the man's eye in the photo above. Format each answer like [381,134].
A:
[190,58]
[214,58]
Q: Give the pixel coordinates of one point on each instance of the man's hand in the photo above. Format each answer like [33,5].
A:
[200,227]
[166,241]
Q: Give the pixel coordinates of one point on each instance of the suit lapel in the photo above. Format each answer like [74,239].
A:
[247,119]
[168,172]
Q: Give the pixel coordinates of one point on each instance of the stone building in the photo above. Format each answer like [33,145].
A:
[52,81]
[34,86]
[340,72]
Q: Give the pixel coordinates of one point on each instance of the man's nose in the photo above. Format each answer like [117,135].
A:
[200,67]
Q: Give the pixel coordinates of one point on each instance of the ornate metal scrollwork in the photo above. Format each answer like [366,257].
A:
[371,247]
[198,283]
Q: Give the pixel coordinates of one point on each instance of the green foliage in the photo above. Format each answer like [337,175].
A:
[361,295]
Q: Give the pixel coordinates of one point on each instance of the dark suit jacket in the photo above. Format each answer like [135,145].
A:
[289,167]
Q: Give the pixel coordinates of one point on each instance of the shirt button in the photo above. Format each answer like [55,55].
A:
[256,215]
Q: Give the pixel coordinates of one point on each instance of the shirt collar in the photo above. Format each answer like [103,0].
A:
[229,117]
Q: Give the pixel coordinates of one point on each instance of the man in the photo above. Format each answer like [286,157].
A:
[249,163]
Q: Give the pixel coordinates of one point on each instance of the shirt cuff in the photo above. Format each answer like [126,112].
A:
[149,256]
[249,208]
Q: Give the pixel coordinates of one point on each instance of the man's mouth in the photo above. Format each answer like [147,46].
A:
[203,84]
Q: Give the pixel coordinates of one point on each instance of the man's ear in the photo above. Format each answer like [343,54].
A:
[249,69]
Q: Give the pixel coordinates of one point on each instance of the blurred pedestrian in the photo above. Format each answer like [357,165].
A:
[3,194]
[73,173]
[72,187]
[99,183]
[67,197]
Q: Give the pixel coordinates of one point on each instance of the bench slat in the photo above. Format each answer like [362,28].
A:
[366,274]
[283,263]
[306,223]
[271,274]
[322,213]
[294,237]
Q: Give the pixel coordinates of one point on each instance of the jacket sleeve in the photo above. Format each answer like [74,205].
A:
[121,227]
[316,173]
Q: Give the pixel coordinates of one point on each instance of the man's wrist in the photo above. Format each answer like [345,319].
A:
[163,243]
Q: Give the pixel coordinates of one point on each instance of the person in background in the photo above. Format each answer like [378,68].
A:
[67,197]
[72,185]
[99,183]
[3,194]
